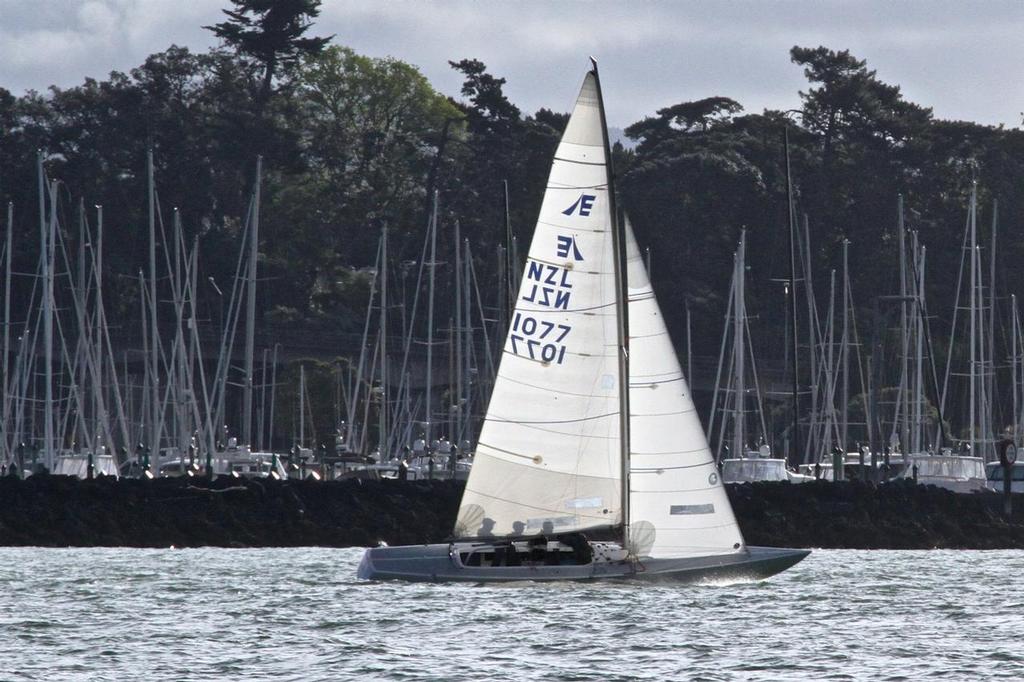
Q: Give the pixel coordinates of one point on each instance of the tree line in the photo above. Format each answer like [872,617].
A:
[352,144]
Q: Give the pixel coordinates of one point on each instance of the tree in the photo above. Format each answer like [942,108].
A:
[271,32]
[851,103]
[491,109]
[368,133]
[685,117]
[502,149]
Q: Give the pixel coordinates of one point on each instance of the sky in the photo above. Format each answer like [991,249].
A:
[964,59]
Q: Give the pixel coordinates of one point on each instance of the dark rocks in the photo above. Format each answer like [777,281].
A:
[859,515]
[58,511]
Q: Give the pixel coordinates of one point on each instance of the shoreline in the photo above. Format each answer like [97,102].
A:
[60,511]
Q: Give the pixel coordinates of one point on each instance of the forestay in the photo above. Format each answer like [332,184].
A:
[678,507]
[549,447]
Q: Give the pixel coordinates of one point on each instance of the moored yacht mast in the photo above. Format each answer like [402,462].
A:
[622,320]
[154,350]
[5,442]
[432,264]
[47,232]
[844,352]
[795,439]
[250,313]
[740,389]
[904,397]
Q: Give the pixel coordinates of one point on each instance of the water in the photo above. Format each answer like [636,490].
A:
[298,614]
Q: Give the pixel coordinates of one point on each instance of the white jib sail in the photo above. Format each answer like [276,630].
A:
[549,447]
[678,507]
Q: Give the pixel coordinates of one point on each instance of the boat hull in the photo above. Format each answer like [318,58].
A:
[440,563]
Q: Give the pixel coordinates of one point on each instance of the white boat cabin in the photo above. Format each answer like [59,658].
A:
[75,463]
[757,469]
[994,473]
[955,472]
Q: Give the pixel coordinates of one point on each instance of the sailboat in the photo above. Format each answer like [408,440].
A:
[562,487]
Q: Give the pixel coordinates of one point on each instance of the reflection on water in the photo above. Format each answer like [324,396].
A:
[299,614]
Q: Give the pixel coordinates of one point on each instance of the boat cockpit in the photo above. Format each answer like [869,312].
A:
[566,550]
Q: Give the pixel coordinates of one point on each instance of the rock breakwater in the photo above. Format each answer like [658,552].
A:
[59,511]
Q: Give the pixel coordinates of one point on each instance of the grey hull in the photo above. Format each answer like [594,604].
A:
[440,563]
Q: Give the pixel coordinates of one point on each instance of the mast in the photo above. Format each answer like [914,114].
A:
[101,414]
[507,266]
[250,313]
[147,374]
[47,314]
[501,327]
[154,350]
[1014,360]
[621,315]
[302,405]
[813,334]
[457,338]
[916,442]
[739,310]
[384,416]
[7,385]
[80,375]
[973,368]
[430,320]
[829,371]
[51,240]
[273,395]
[192,279]
[467,345]
[904,399]
[926,329]
[180,383]
[990,395]
[261,416]
[795,440]
[845,353]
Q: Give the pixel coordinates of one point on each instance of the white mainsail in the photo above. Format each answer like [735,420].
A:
[678,507]
[549,449]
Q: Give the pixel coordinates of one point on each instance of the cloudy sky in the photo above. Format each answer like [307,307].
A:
[965,59]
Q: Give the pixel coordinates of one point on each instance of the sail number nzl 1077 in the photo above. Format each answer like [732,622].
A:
[546,286]
[538,339]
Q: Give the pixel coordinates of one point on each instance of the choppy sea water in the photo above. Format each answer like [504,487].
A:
[299,614]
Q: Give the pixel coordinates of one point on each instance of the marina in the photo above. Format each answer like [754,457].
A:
[193,377]
[474,340]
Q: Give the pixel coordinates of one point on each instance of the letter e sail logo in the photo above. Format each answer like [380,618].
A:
[584,205]
[567,245]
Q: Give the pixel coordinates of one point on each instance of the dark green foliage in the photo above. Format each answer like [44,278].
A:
[271,32]
[352,144]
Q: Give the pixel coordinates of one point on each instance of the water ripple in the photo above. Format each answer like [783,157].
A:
[298,614]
